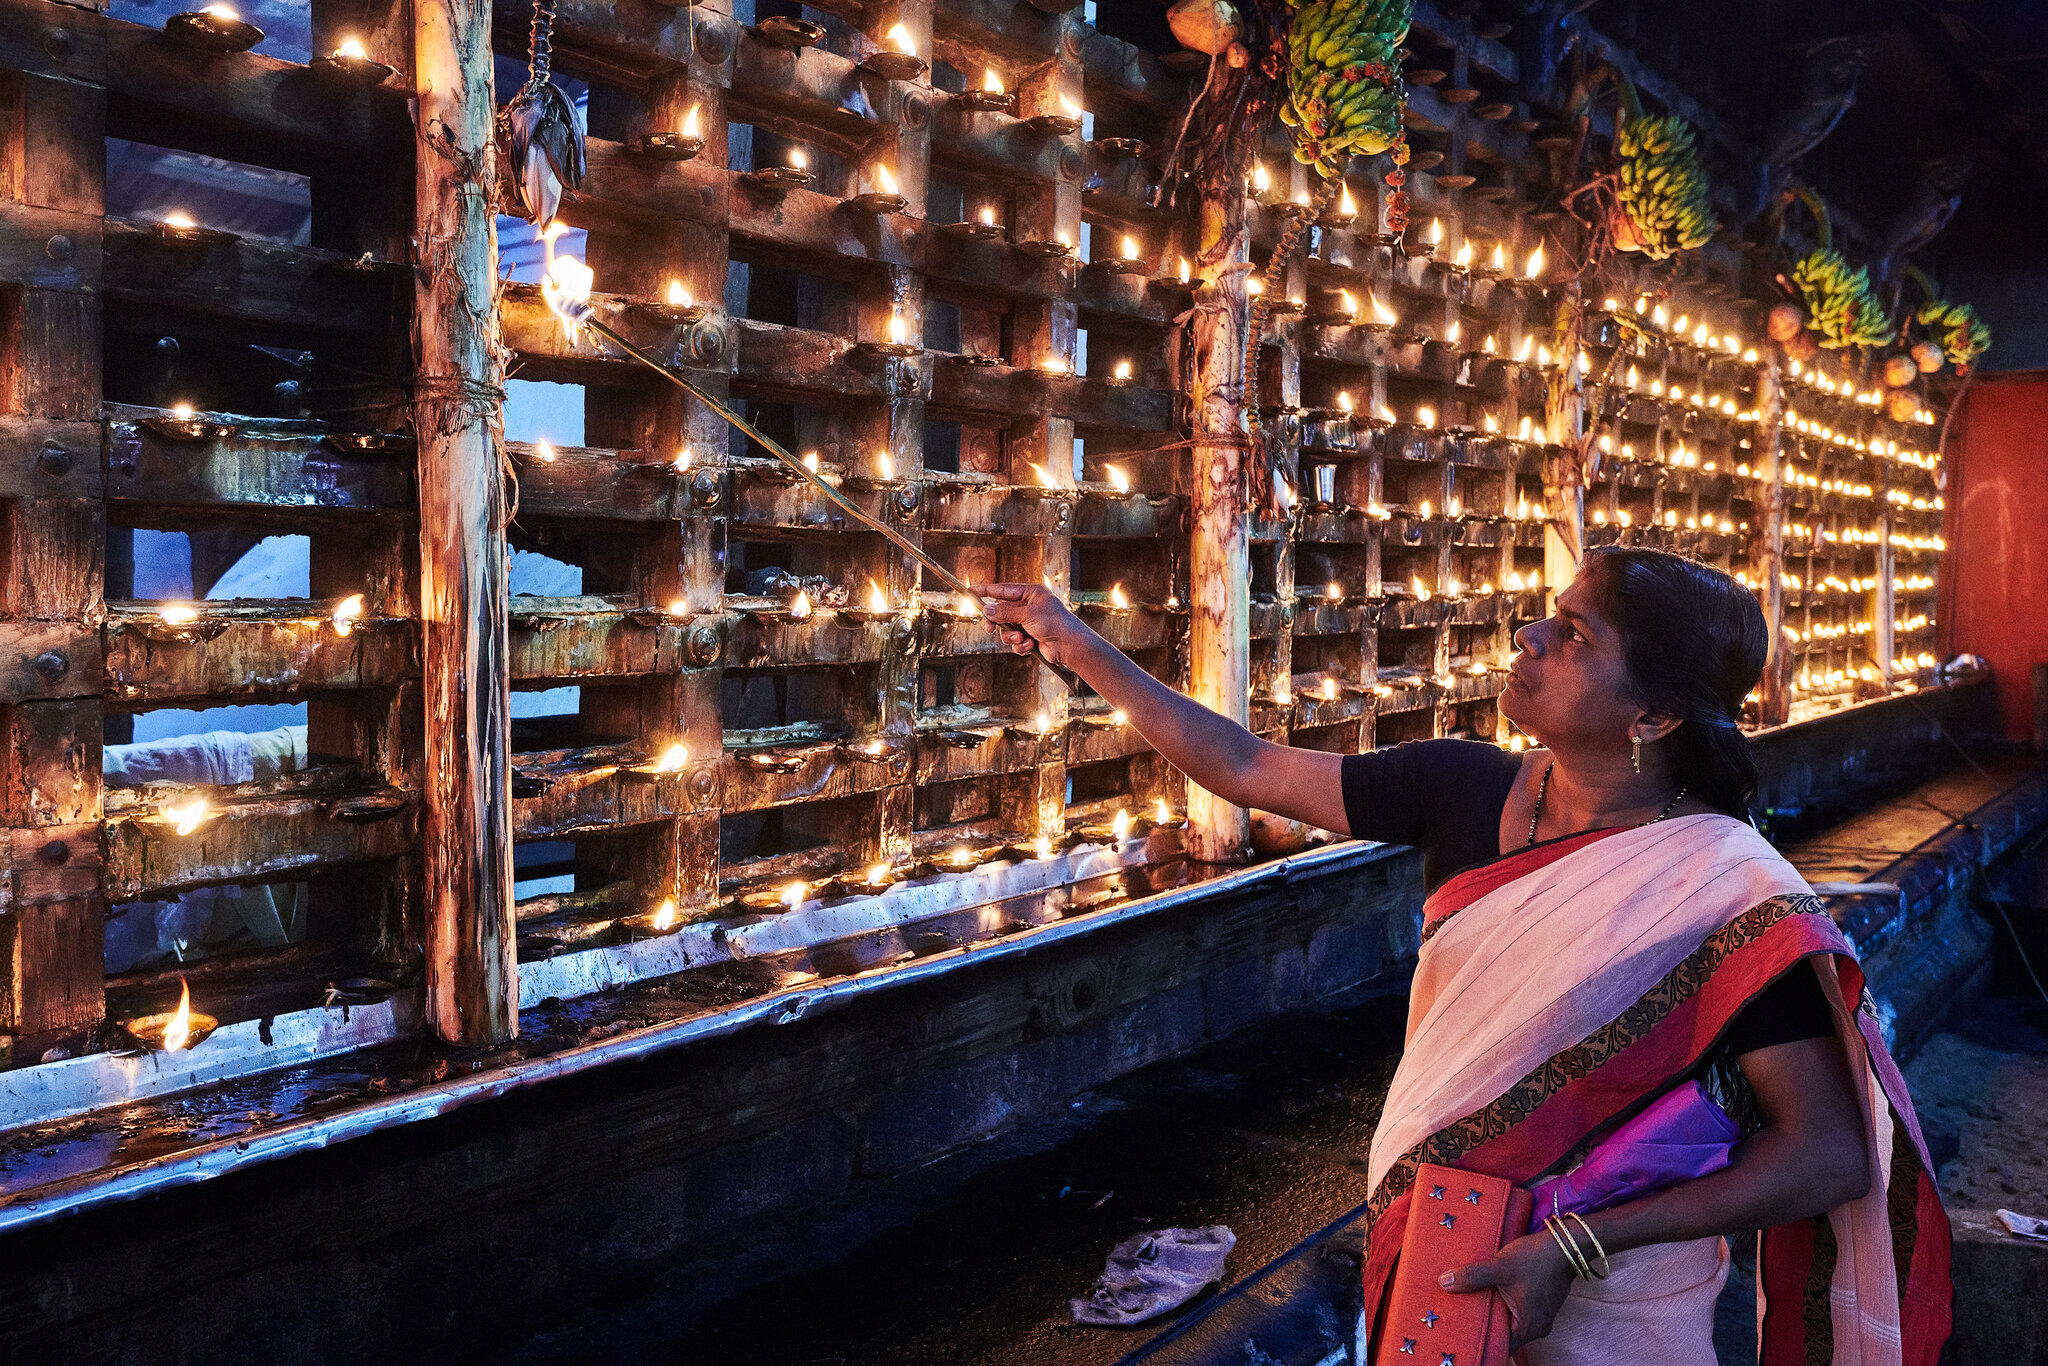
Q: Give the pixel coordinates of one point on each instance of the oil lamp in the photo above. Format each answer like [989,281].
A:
[887,199]
[349,62]
[1120,826]
[897,62]
[216,29]
[1117,478]
[1122,374]
[1117,601]
[898,332]
[178,614]
[1346,211]
[173,1031]
[991,98]
[781,179]
[983,228]
[1064,123]
[1533,272]
[1125,262]
[681,145]
[1061,245]
[347,613]
[186,816]
[788,33]
[184,423]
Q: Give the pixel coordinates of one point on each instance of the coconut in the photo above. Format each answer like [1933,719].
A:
[1900,371]
[1785,322]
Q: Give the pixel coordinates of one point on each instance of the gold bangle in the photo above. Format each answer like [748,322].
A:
[1561,1235]
[1574,1214]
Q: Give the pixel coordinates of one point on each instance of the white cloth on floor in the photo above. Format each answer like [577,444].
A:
[211,757]
[1150,1273]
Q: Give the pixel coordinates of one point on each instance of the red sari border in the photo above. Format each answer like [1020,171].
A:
[1460,890]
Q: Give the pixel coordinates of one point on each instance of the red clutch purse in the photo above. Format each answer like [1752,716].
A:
[1454,1219]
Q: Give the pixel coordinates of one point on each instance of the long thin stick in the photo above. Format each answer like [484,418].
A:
[851,508]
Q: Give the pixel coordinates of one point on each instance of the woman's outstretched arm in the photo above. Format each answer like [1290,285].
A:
[1212,750]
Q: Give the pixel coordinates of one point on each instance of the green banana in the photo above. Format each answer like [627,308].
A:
[1662,187]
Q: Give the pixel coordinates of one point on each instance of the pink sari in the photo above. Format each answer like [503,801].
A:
[1563,988]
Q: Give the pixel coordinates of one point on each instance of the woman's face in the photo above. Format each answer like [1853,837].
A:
[1567,683]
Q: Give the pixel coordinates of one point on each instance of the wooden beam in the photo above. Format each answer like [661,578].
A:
[472,976]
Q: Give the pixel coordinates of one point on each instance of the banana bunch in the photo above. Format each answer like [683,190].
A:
[1962,334]
[1662,188]
[1344,90]
[1839,301]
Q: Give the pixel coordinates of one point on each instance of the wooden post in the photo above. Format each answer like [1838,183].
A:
[472,977]
[1768,552]
[1219,552]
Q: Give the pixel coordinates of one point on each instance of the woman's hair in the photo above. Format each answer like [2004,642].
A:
[1693,641]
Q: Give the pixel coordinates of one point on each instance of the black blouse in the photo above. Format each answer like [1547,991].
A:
[1445,797]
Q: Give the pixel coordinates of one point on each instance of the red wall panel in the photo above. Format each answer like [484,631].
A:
[1994,575]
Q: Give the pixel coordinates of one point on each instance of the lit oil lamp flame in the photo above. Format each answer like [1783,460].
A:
[1425,416]
[1535,267]
[800,607]
[678,295]
[1042,723]
[1421,589]
[1123,370]
[221,12]
[1117,598]
[1042,846]
[1044,477]
[1161,812]
[1255,286]
[1492,424]
[178,614]
[796,158]
[793,894]
[1457,329]
[1427,510]
[811,461]
[1130,248]
[188,816]
[691,124]
[683,458]
[878,874]
[1054,365]
[1526,430]
[991,82]
[899,37]
[960,856]
[1346,205]
[1329,690]
[1464,257]
[1500,257]
[1072,110]
[1384,413]
[1185,275]
[1261,181]
[1117,478]
[1348,302]
[182,411]
[878,601]
[544,452]
[352,48]
[1451,509]
[885,468]
[1334,591]
[887,181]
[968,606]
[1344,400]
[1522,351]
[347,612]
[1120,825]
[897,327]
[665,917]
[1436,232]
[672,759]
[988,215]
[1381,314]
[566,289]
[178,1032]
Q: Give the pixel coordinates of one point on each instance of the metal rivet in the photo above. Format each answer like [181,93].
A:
[59,247]
[714,41]
[53,459]
[907,499]
[704,782]
[704,488]
[705,645]
[55,852]
[57,43]
[52,665]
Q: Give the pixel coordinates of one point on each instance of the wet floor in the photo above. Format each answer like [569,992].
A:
[1265,1132]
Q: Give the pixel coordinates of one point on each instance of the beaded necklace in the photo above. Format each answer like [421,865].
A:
[1543,790]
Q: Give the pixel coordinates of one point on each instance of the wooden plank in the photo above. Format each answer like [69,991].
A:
[254,468]
[281,651]
[48,248]
[244,105]
[250,280]
[581,481]
[255,838]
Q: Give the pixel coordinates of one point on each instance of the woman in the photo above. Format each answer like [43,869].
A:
[1603,924]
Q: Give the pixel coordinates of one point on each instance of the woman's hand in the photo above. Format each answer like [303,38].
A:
[1026,613]
[1531,1273]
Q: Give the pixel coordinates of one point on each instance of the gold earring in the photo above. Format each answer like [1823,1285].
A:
[1636,751]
